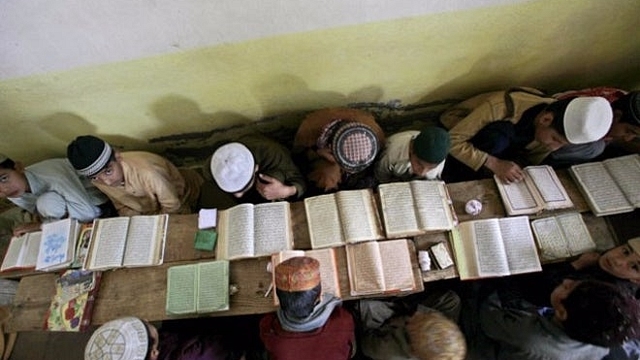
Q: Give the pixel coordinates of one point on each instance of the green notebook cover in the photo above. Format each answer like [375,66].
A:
[206,240]
[198,288]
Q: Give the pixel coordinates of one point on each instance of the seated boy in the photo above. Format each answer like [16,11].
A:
[307,325]
[253,169]
[496,130]
[137,182]
[414,155]
[625,128]
[49,190]
[340,144]
[395,330]
[134,339]
[585,318]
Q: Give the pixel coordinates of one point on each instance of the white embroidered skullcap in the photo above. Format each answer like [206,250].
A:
[635,244]
[51,205]
[232,167]
[126,338]
[587,119]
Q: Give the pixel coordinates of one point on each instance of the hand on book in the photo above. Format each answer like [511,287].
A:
[506,171]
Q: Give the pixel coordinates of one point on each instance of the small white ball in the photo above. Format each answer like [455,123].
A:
[473,207]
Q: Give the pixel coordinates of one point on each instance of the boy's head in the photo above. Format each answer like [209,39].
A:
[125,338]
[233,168]
[297,282]
[623,261]
[435,337]
[428,149]
[13,182]
[626,117]
[350,144]
[596,312]
[579,120]
[94,158]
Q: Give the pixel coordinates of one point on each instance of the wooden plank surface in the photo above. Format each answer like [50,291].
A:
[142,291]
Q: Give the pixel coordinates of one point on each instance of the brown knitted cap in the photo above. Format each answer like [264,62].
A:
[297,274]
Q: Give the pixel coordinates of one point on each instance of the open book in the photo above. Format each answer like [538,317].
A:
[198,288]
[127,242]
[415,207]
[343,217]
[22,252]
[328,268]
[381,267]
[611,186]
[562,236]
[248,230]
[58,245]
[540,190]
[72,305]
[495,247]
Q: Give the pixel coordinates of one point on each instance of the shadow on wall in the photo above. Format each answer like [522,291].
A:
[286,92]
[66,126]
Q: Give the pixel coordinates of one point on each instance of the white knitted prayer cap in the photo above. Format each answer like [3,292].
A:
[587,119]
[232,167]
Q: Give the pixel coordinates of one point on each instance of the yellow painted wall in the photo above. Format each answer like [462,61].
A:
[550,44]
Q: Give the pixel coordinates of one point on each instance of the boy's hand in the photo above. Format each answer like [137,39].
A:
[506,171]
[586,260]
[273,189]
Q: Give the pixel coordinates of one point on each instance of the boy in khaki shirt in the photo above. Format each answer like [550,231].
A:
[137,182]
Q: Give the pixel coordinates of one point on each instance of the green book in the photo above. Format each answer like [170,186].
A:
[198,288]
[206,240]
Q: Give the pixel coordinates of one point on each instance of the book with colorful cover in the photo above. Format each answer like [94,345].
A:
[72,305]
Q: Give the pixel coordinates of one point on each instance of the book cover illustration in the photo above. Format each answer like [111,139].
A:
[55,250]
[72,303]
[82,247]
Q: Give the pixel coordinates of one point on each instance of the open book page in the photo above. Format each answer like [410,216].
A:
[15,256]
[519,245]
[328,270]
[358,215]
[465,255]
[600,189]
[213,286]
[272,228]
[323,221]
[626,172]
[485,238]
[235,238]
[431,200]
[398,211]
[550,238]
[144,240]
[575,231]
[553,194]
[519,197]
[181,289]
[107,244]
[364,265]
[396,265]
[57,245]
[32,248]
